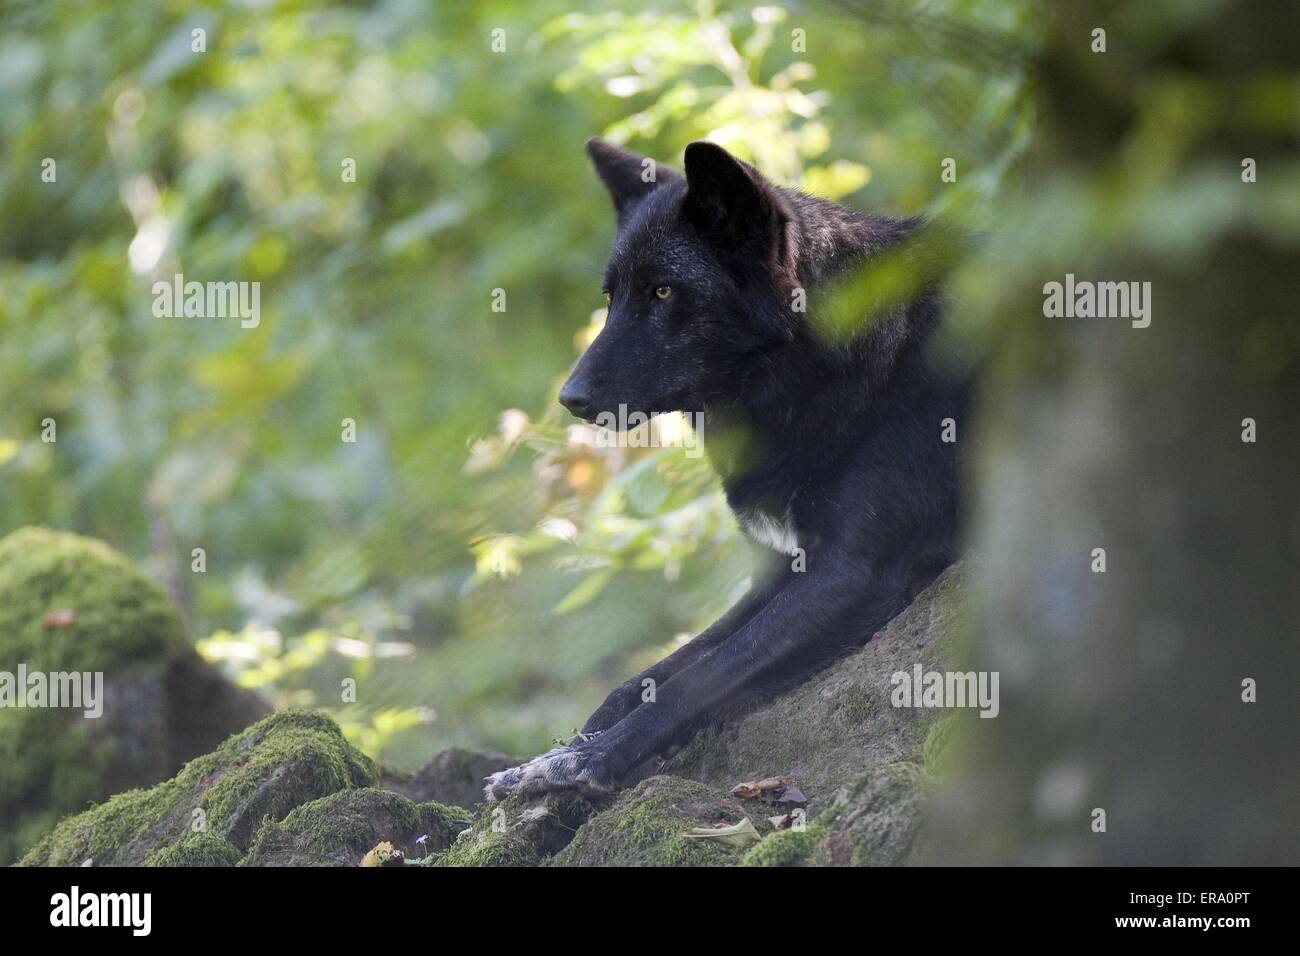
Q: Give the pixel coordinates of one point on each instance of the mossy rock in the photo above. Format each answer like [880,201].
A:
[803,846]
[519,831]
[72,604]
[292,791]
[340,829]
[861,762]
[648,826]
[454,777]
[880,818]
[838,726]
[197,849]
[120,616]
[876,820]
[279,764]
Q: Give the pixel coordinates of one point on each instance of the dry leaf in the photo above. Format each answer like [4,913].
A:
[754,788]
[738,834]
[770,790]
[781,822]
[57,620]
[383,855]
[791,795]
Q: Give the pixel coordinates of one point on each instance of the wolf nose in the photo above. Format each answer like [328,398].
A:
[576,398]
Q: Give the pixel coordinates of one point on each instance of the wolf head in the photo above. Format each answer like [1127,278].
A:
[701,278]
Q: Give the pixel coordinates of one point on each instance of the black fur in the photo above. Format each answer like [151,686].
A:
[838,438]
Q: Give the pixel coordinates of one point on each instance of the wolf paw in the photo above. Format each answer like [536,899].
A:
[564,768]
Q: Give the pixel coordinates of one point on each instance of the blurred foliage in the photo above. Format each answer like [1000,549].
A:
[1124,691]
[450,560]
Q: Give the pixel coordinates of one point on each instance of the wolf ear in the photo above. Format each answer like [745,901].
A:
[731,204]
[628,176]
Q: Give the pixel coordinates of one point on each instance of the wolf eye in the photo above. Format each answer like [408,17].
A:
[663,292]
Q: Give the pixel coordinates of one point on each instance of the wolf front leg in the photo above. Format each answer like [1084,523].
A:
[803,626]
[626,697]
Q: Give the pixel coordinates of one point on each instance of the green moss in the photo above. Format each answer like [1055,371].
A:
[339,829]
[119,619]
[280,763]
[648,827]
[857,709]
[949,637]
[860,855]
[310,743]
[498,837]
[788,847]
[491,849]
[96,834]
[938,742]
[120,615]
[878,821]
[885,784]
[199,849]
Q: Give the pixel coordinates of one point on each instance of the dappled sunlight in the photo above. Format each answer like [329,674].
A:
[376,469]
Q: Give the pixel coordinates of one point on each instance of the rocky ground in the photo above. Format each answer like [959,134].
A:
[69,603]
[854,777]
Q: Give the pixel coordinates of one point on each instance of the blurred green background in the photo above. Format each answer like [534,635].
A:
[473,560]
[450,558]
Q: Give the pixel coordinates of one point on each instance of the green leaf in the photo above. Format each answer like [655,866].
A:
[585,592]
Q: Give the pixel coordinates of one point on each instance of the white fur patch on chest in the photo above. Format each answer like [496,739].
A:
[767,529]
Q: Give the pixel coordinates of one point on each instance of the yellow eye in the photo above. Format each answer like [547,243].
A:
[663,291]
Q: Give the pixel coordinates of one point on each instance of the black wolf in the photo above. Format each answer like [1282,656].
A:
[836,449]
